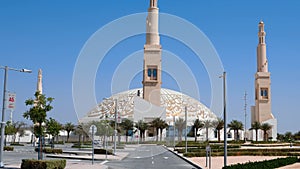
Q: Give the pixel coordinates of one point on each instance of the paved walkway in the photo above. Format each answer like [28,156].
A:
[218,162]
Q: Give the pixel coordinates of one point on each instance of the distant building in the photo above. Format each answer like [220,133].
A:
[262,111]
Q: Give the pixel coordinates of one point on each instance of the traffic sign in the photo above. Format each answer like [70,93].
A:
[11,101]
[93,129]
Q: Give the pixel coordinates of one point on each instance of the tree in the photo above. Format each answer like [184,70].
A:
[53,128]
[80,132]
[155,124]
[288,136]
[297,135]
[196,126]
[9,130]
[159,124]
[127,125]
[69,127]
[265,127]
[207,124]
[255,126]
[180,125]
[142,127]
[37,113]
[17,128]
[219,125]
[236,126]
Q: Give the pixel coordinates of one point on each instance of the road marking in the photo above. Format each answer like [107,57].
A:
[104,162]
[166,158]
[152,162]
[137,157]
[152,158]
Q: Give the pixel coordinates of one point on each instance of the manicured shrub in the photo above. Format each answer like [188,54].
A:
[43,164]
[81,146]
[102,151]
[16,144]
[50,150]
[8,148]
[267,164]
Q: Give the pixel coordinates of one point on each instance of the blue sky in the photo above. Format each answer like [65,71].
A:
[51,34]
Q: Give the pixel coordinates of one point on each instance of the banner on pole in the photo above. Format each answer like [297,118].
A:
[11,101]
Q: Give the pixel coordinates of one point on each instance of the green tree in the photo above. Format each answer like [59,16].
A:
[255,126]
[219,125]
[80,132]
[53,128]
[236,126]
[180,125]
[69,127]
[196,126]
[37,113]
[155,124]
[297,135]
[207,124]
[127,125]
[18,127]
[9,130]
[142,127]
[265,127]
[159,125]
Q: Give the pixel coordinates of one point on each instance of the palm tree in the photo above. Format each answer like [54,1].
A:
[207,124]
[156,123]
[80,132]
[162,125]
[180,125]
[127,125]
[142,127]
[69,127]
[265,127]
[219,125]
[236,126]
[255,126]
[197,125]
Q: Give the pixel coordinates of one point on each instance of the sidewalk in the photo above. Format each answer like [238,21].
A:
[218,162]
[70,165]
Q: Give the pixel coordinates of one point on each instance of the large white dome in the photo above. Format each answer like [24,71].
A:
[173,101]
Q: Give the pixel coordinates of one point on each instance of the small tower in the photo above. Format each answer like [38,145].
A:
[262,111]
[152,57]
[39,87]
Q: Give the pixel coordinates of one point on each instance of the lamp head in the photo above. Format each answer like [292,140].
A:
[26,70]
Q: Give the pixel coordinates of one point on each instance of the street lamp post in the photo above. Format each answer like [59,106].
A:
[115,131]
[225,127]
[185,129]
[6,68]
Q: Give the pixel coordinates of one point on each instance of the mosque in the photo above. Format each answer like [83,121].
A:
[152,101]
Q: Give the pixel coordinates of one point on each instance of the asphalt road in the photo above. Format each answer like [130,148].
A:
[150,157]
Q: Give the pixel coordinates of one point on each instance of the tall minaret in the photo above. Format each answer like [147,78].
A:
[262,62]
[39,86]
[152,57]
[262,111]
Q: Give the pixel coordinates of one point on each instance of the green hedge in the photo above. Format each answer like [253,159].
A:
[267,164]
[81,146]
[43,164]
[50,150]
[16,144]
[8,148]
[102,151]
[215,148]
[242,153]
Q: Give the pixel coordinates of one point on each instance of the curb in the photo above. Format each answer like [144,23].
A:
[185,159]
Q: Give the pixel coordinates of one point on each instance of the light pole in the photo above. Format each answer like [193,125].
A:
[185,129]
[6,68]
[115,131]
[225,127]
